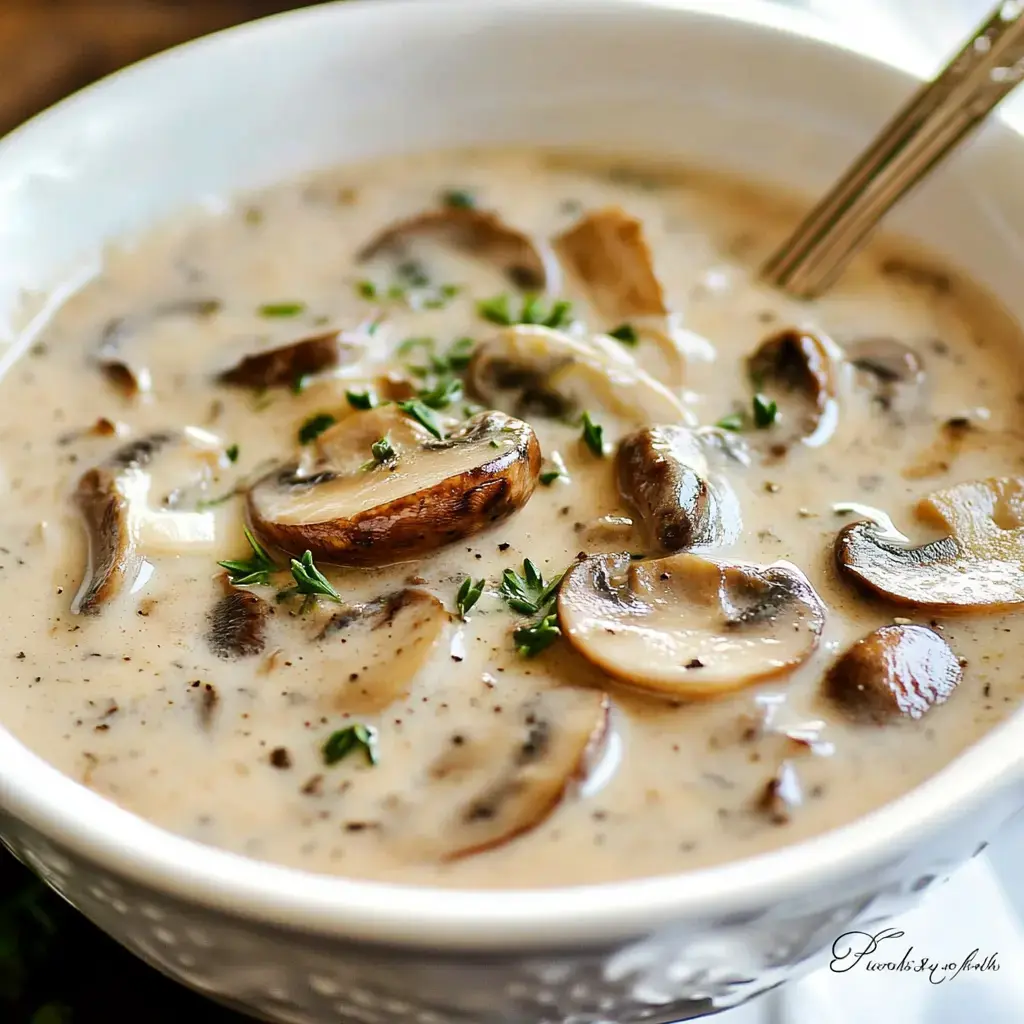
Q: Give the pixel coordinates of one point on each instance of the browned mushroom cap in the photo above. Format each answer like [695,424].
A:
[895,672]
[528,370]
[688,626]
[349,510]
[798,370]
[477,233]
[375,650]
[607,251]
[237,625]
[499,784]
[664,474]
[284,365]
[112,500]
[978,567]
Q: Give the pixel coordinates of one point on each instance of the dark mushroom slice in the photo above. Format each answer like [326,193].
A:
[117,366]
[607,251]
[112,500]
[375,650]
[237,625]
[529,370]
[898,671]
[499,784]
[688,626]
[664,474]
[479,234]
[781,796]
[350,510]
[977,567]
[798,370]
[891,371]
[284,365]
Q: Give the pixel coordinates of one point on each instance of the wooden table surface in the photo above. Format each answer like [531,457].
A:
[55,968]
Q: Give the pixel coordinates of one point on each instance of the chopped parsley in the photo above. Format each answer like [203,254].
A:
[626,333]
[315,426]
[252,571]
[443,393]
[300,383]
[766,411]
[423,414]
[468,595]
[282,310]
[382,452]
[309,581]
[528,593]
[499,310]
[556,470]
[361,399]
[367,289]
[458,199]
[532,639]
[343,742]
[593,435]
[410,345]
[734,421]
[232,452]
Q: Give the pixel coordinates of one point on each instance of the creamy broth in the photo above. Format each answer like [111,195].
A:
[230,750]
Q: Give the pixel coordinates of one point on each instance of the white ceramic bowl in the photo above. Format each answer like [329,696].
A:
[743,86]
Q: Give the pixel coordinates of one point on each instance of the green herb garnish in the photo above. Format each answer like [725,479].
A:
[300,383]
[531,640]
[458,199]
[593,435]
[528,593]
[309,581]
[626,333]
[556,472]
[734,421]
[361,399]
[499,310]
[423,414]
[281,310]
[232,452]
[343,742]
[459,354]
[442,394]
[382,452]
[766,410]
[367,289]
[315,426]
[468,595]
[255,570]
[410,345]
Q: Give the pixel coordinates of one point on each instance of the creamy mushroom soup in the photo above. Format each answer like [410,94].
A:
[480,520]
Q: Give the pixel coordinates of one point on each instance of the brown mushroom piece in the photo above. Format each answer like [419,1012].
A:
[124,372]
[978,566]
[688,626]
[284,365]
[608,252]
[664,474]
[237,625]
[528,370]
[898,671]
[798,370]
[349,509]
[892,371]
[479,234]
[494,786]
[375,650]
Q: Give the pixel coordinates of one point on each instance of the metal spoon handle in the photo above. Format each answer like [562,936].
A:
[941,113]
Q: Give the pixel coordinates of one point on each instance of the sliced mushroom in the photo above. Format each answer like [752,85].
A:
[499,784]
[607,251]
[798,370]
[284,365]
[112,499]
[895,672]
[350,511]
[237,625]
[781,795]
[892,372]
[475,232]
[117,366]
[664,474]
[978,566]
[688,626]
[376,649]
[529,370]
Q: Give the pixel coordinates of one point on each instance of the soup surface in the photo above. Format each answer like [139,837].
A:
[339,364]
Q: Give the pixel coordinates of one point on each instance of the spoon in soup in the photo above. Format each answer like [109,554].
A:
[938,117]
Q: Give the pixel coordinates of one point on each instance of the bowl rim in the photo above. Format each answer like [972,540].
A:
[97,830]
